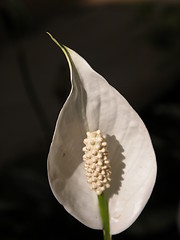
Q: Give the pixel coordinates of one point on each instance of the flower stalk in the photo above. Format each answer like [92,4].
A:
[97,169]
[104,212]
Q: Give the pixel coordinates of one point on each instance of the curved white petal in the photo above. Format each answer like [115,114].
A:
[94,104]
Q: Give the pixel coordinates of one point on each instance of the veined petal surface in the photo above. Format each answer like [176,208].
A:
[94,104]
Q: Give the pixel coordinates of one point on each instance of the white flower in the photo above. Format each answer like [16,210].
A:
[93,104]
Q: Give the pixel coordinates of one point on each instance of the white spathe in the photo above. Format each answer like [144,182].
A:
[94,104]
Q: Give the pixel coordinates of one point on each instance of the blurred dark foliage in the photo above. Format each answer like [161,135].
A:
[28,210]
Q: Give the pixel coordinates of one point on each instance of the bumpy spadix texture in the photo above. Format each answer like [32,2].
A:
[96,160]
[94,104]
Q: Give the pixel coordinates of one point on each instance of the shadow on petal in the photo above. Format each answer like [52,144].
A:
[65,154]
[117,165]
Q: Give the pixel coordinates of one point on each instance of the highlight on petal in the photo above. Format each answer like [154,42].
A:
[94,104]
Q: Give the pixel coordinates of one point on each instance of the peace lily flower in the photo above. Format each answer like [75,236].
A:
[117,171]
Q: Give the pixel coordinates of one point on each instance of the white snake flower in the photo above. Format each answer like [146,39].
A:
[95,107]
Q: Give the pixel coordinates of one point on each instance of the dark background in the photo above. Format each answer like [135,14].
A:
[136,47]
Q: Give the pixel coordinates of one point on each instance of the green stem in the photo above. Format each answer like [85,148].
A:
[104,212]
